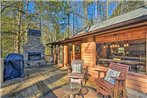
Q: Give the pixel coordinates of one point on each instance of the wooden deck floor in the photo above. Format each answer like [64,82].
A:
[44,81]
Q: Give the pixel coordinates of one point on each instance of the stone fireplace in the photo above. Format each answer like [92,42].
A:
[33,50]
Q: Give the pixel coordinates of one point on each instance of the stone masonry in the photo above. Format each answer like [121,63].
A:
[34,45]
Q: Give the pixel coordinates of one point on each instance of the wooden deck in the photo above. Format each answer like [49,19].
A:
[44,81]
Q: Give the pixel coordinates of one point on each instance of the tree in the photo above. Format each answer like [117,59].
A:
[14,23]
[126,6]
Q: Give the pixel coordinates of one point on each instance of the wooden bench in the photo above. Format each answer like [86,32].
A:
[107,89]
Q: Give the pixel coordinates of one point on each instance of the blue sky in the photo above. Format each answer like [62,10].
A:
[91,11]
[31,7]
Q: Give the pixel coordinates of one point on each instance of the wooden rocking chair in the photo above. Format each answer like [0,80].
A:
[107,89]
[75,76]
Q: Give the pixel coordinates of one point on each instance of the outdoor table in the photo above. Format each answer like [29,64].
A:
[71,89]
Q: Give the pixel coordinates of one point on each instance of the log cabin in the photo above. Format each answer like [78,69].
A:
[120,39]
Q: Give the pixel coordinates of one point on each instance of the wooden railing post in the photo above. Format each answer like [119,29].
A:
[58,53]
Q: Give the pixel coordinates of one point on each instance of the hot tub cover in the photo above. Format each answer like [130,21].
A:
[13,66]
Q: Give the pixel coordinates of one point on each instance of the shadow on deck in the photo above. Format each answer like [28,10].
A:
[45,81]
[38,82]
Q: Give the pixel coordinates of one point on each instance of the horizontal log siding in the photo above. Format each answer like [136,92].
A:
[131,34]
[88,52]
[137,82]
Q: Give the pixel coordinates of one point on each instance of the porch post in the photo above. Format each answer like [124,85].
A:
[54,54]
[51,50]
[58,53]
[73,51]
[65,56]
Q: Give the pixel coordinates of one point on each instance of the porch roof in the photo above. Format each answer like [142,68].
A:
[119,22]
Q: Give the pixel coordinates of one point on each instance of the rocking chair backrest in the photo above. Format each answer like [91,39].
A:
[122,68]
[78,61]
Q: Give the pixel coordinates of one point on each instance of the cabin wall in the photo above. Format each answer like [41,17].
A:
[88,54]
[88,51]
[135,80]
[124,35]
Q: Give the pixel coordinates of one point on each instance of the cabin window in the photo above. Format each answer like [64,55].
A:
[132,53]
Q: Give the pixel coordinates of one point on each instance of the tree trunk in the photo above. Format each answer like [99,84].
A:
[73,25]
[85,13]
[107,9]
[19,28]
[68,24]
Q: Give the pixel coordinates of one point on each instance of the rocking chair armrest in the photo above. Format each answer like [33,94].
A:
[119,78]
[98,70]
[84,70]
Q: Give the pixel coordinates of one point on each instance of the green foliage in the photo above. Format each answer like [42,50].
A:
[7,44]
[56,19]
[126,6]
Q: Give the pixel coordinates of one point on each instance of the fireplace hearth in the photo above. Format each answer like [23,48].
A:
[33,56]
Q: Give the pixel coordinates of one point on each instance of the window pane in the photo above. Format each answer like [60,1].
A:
[132,53]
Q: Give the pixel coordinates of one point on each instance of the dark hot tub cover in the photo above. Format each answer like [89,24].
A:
[13,66]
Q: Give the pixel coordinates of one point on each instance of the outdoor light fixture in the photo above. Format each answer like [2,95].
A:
[111,46]
[126,45]
[114,46]
[105,46]
[118,45]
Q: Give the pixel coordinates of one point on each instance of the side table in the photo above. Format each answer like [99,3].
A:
[72,89]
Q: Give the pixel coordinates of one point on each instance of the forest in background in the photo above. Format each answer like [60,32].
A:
[57,20]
